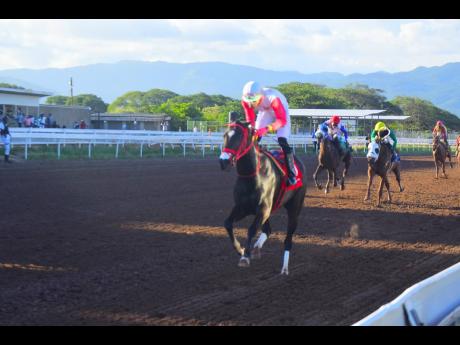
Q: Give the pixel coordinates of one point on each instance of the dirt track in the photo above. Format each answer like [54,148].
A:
[141,242]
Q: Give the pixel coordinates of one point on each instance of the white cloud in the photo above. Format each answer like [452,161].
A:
[308,46]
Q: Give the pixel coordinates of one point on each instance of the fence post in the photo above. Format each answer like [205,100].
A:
[202,146]
[116,151]
[59,150]
[142,146]
[184,148]
[25,151]
[163,145]
[89,150]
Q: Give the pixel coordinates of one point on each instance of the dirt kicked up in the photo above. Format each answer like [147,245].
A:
[141,242]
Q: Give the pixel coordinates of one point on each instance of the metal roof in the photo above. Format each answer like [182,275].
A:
[330,112]
[25,92]
[386,117]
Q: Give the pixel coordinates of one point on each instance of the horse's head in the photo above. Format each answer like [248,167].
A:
[237,142]
[436,141]
[373,151]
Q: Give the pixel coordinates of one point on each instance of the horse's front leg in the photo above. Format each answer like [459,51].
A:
[382,182]
[236,214]
[334,176]
[370,177]
[266,231]
[387,186]
[260,218]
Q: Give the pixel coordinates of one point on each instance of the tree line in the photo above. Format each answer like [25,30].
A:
[201,106]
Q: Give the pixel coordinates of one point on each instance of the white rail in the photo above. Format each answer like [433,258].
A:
[59,136]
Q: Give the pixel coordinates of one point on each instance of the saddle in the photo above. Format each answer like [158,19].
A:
[277,157]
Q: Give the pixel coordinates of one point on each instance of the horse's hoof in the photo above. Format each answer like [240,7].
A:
[256,253]
[326,191]
[319,187]
[285,271]
[401,190]
[366,198]
[342,187]
[244,262]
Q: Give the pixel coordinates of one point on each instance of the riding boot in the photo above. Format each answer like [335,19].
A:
[289,158]
[291,168]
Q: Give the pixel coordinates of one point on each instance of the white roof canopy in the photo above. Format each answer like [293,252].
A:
[330,112]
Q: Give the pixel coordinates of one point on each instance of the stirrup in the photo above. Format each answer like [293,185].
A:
[292,180]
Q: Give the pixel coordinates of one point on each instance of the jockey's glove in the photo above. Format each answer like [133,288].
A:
[261,131]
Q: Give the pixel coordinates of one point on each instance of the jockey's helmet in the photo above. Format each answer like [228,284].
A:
[252,92]
[439,123]
[335,119]
[380,126]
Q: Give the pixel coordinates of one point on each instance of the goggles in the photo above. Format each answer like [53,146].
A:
[254,100]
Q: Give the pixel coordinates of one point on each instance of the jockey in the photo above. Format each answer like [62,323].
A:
[272,115]
[441,130]
[338,131]
[380,127]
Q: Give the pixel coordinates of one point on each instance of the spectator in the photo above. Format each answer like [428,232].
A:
[82,124]
[5,137]
[20,117]
[76,125]
[49,121]
[36,123]
[314,140]
[28,121]
[42,121]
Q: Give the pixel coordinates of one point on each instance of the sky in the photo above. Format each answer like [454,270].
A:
[307,46]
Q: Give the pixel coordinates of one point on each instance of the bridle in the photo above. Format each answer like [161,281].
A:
[242,150]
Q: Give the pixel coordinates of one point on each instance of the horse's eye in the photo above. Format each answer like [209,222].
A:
[377,151]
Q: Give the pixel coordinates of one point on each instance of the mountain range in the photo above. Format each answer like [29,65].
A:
[440,85]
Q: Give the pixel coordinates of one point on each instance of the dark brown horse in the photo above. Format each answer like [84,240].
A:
[440,155]
[260,190]
[379,163]
[329,159]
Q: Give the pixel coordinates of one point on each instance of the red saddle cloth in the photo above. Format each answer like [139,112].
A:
[277,156]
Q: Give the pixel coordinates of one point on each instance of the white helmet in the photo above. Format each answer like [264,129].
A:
[252,91]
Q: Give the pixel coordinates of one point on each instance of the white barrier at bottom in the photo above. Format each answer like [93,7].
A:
[431,302]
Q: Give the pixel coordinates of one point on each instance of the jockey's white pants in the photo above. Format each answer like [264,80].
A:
[267,118]
[6,139]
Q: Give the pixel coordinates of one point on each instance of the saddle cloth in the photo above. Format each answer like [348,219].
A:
[277,156]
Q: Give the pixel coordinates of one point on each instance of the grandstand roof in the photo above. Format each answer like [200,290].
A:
[329,112]
[25,92]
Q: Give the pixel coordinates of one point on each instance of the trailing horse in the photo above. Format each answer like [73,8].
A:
[261,188]
[329,159]
[379,163]
[440,155]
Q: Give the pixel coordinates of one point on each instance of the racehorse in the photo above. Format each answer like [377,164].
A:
[329,159]
[260,189]
[379,163]
[439,155]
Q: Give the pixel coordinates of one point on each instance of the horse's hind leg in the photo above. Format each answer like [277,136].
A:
[266,231]
[315,176]
[236,214]
[444,169]
[344,173]
[397,173]
[330,175]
